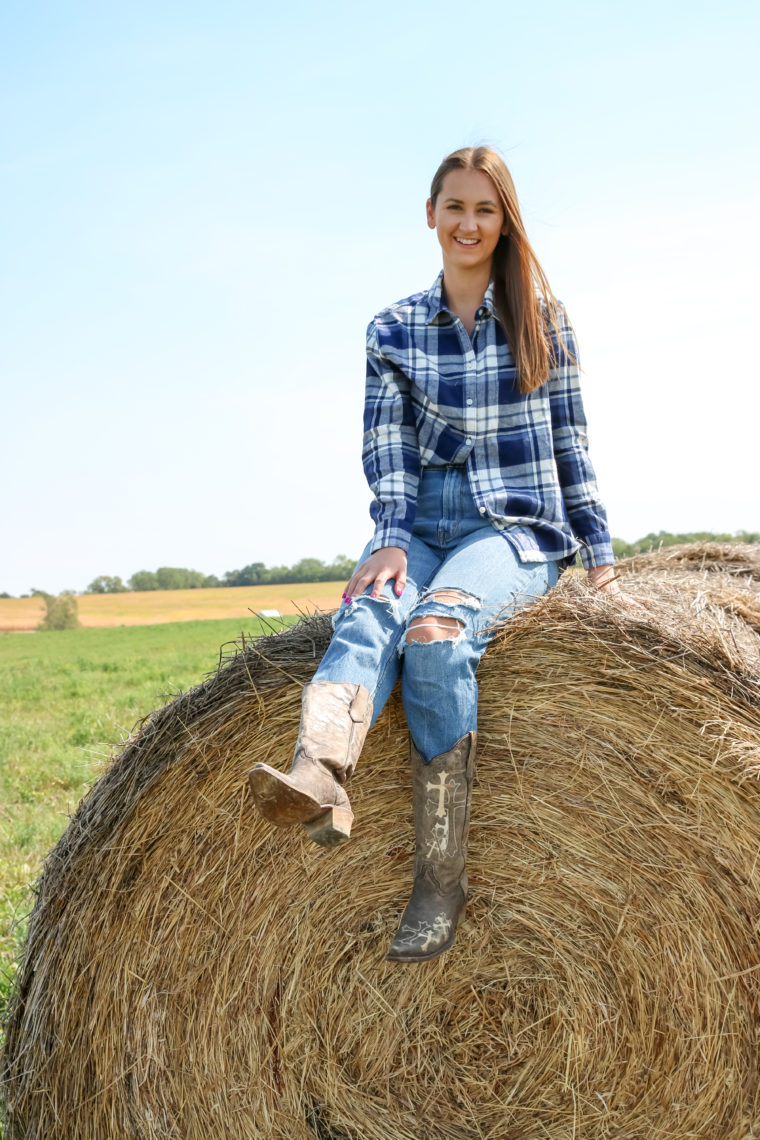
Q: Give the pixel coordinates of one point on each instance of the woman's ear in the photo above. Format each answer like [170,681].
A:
[430,214]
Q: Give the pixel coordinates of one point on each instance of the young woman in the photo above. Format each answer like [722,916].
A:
[475,451]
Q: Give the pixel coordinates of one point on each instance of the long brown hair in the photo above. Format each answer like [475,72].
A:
[519,281]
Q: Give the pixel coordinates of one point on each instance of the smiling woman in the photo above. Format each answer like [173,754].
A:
[469,221]
[475,452]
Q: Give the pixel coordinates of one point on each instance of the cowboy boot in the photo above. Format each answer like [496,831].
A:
[334,722]
[441,791]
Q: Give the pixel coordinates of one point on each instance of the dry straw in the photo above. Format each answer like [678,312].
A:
[192,972]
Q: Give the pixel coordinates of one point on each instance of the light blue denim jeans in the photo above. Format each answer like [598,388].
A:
[453,548]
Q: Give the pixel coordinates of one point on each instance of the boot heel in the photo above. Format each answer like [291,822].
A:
[332,827]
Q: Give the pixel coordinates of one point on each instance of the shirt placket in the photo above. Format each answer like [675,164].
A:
[469,378]
[470,403]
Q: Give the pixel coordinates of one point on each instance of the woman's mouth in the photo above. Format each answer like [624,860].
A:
[466,241]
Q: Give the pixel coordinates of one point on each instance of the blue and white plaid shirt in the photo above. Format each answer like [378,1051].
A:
[436,396]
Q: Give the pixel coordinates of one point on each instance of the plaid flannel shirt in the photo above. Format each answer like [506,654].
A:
[435,396]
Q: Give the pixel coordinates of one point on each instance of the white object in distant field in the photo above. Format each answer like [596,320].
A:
[269,613]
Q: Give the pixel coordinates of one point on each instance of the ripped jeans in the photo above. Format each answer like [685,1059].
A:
[459,568]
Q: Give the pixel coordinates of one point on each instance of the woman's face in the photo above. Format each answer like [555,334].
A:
[468,218]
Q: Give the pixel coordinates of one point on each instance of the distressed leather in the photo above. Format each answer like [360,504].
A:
[442,793]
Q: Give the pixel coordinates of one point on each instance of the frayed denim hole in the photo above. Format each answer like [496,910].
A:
[390,605]
[458,636]
[460,613]
[453,634]
[459,598]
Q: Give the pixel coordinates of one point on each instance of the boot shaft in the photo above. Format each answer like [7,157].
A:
[335,719]
[442,793]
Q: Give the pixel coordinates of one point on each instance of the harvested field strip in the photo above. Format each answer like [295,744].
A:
[151,607]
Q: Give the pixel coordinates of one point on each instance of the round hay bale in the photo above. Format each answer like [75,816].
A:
[738,558]
[191,971]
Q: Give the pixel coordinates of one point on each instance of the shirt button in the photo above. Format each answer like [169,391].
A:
[482,510]
[469,401]
[468,440]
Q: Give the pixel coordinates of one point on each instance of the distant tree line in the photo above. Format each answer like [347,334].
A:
[665,538]
[255,574]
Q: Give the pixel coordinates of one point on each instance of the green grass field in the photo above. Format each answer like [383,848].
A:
[66,700]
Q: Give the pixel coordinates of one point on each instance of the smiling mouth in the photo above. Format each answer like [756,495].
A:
[466,241]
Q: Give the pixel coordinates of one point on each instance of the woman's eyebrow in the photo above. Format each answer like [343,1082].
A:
[459,202]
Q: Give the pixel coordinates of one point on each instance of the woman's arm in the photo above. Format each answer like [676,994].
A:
[577,477]
[390,451]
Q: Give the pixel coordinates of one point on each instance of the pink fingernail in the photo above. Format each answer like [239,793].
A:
[348,600]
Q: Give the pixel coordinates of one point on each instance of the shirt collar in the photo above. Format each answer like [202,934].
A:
[436,301]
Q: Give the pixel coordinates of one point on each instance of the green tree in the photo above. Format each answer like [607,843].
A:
[106,585]
[308,570]
[340,569]
[251,575]
[62,612]
[622,549]
[143,580]
[177,578]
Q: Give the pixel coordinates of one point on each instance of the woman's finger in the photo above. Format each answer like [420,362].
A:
[379,583]
[359,582]
[353,588]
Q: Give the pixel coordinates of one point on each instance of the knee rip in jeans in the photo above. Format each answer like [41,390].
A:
[438,626]
[392,605]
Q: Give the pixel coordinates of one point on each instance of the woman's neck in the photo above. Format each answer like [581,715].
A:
[465,292]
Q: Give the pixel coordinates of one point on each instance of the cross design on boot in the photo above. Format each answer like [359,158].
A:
[441,832]
[445,791]
[426,933]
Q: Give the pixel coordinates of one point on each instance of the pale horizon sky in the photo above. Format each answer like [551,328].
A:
[204,206]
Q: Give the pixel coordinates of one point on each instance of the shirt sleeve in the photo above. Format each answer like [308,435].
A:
[585,510]
[390,451]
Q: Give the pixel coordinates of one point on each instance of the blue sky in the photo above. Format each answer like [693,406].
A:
[203,205]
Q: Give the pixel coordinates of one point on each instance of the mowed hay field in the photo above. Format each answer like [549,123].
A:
[66,700]
[154,607]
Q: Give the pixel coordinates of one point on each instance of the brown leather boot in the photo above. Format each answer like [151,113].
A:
[334,722]
[442,792]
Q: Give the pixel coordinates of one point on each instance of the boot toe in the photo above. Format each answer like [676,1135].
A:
[428,926]
[422,943]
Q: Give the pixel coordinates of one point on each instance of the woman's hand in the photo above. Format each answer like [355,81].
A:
[605,579]
[388,562]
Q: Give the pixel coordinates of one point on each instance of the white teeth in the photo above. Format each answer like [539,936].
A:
[467,241]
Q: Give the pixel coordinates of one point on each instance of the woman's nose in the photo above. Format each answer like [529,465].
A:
[467,222]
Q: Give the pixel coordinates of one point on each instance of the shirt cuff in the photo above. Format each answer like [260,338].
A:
[596,550]
[390,533]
